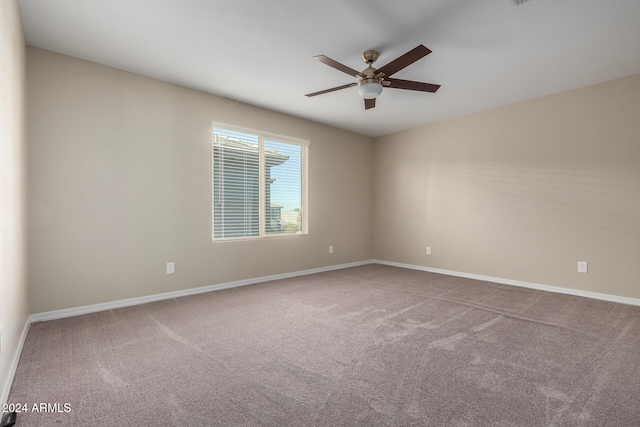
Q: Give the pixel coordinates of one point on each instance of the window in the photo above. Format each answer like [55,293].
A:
[259,184]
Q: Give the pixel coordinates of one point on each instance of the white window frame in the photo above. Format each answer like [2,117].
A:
[304,178]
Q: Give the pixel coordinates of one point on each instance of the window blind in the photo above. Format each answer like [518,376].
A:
[259,185]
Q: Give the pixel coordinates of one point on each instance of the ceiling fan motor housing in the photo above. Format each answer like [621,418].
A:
[370,86]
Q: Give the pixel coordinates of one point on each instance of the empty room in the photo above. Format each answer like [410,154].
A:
[338,213]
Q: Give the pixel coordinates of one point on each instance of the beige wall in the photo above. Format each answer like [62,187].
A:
[14,303]
[120,183]
[522,192]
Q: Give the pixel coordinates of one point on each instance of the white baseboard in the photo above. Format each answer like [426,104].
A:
[14,364]
[76,311]
[556,289]
[93,308]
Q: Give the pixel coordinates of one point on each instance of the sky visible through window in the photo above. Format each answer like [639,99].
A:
[286,189]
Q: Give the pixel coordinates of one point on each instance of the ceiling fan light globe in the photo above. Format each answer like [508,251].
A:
[370,90]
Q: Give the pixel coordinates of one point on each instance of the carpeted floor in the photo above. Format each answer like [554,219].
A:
[372,346]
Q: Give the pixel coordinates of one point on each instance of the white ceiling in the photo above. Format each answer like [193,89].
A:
[486,53]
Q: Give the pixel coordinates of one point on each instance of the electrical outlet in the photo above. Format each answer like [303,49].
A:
[171,267]
[428,250]
[330,249]
[582,266]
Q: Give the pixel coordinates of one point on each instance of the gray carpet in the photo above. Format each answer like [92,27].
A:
[372,346]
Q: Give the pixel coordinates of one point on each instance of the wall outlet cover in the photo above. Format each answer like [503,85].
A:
[171,267]
[582,266]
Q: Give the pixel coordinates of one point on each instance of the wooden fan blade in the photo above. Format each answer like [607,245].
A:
[411,85]
[404,61]
[338,66]
[369,103]
[333,89]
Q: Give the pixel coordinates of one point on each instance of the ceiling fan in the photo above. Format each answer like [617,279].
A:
[371,81]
